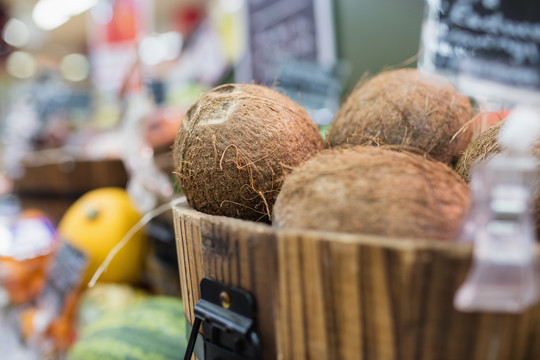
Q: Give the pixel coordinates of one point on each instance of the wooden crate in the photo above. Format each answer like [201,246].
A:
[53,187]
[75,177]
[336,296]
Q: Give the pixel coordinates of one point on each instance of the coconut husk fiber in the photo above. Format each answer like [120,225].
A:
[236,145]
[408,108]
[373,190]
[480,149]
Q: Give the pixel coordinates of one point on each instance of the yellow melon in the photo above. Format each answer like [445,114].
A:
[98,221]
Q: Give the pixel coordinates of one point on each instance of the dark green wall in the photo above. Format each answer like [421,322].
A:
[373,34]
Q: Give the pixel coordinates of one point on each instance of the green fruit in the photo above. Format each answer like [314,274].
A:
[154,329]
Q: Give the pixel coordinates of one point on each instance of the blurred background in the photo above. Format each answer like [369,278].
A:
[73,66]
[68,71]
[92,93]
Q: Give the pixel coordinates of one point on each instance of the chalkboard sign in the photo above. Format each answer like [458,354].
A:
[283,30]
[318,89]
[490,47]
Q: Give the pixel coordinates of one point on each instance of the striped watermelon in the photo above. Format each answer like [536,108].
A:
[153,329]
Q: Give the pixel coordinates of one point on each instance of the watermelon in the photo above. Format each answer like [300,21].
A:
[152,329]
[104,299]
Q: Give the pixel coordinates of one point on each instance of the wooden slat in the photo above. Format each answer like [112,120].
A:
[182,264]
[341,261]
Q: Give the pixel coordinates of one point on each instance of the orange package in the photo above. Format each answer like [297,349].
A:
[49,323]
[26,248]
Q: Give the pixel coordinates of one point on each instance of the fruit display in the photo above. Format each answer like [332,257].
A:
[248,177]
[364,234]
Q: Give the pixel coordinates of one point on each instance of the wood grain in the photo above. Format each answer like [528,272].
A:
[231,251]
[335,296]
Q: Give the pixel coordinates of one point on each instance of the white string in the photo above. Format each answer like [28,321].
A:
[138,226]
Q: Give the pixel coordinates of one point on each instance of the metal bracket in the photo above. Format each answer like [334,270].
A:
[227,315]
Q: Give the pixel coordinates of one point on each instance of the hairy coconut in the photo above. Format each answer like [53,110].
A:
[407,108]
[480,149]
[372,190]
[235,146]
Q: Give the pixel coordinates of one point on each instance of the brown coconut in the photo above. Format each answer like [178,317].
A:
[480,149]
[372,190]
[236,145]
[408,108]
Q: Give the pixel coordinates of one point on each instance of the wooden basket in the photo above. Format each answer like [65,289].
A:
[337,296]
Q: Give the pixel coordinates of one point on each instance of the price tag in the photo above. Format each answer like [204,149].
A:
[504,274]
[65,276]
[491,48]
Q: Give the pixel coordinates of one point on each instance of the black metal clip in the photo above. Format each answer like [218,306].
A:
[227,315]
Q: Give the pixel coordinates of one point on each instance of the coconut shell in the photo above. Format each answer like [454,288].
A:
[407,108]
[236,145]
[372,190]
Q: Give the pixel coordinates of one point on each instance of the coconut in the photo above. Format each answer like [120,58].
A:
[373,190]
[407,108]
[236,145]
[480,149]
